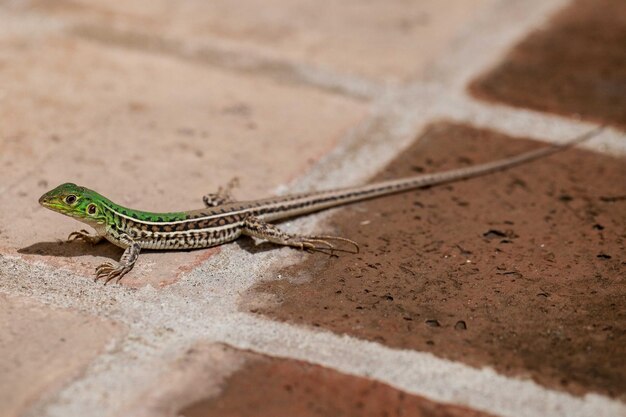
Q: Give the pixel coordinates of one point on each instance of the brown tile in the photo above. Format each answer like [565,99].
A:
[42,348]
[149,132]
[268,387]
[386,41]
[521,270]
[575,66]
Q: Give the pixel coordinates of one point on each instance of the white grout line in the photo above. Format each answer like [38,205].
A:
[533,124]
[395,119]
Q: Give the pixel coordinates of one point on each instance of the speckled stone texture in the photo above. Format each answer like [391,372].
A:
[521,270]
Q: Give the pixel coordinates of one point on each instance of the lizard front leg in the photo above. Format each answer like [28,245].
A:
[223,194]
[86,236]
[253,226]
[117,270]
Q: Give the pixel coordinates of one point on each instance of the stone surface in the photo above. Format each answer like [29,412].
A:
[42,348]
[155,103]
[521,270]
[574,66]
[271,387]
[148,132]
[200,372]
[382,40]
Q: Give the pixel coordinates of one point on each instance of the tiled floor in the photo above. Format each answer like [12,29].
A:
[494,271]
[499,295]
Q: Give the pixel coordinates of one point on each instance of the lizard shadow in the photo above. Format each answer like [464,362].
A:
[249,245]
[72,249]
[76,249]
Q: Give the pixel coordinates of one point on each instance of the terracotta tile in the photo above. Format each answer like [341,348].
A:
[574,66]
[42,348]
[150,133]
[282,387]
[200,372]
[521,270]
[390,41]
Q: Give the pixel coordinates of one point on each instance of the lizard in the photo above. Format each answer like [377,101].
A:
[224,220]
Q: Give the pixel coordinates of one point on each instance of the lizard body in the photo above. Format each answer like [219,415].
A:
[224,220]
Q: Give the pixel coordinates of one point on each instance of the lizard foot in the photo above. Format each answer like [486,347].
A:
[109,271]
[258,228]
[321,244]
[85,236]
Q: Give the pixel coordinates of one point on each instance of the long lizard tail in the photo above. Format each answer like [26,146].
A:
[482,169]
[326,199]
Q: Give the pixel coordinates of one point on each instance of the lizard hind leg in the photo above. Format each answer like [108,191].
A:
[223,194]
[257,228]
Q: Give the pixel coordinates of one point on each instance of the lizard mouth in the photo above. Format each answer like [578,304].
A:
[44,200]
[55,206]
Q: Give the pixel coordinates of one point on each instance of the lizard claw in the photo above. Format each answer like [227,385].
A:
[109,271]
[85,236]
[116,270]
[81,234]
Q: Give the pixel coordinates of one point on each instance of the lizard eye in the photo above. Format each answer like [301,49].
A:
[70,199]
[91,209]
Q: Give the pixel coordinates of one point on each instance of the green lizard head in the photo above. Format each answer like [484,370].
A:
[75,201]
